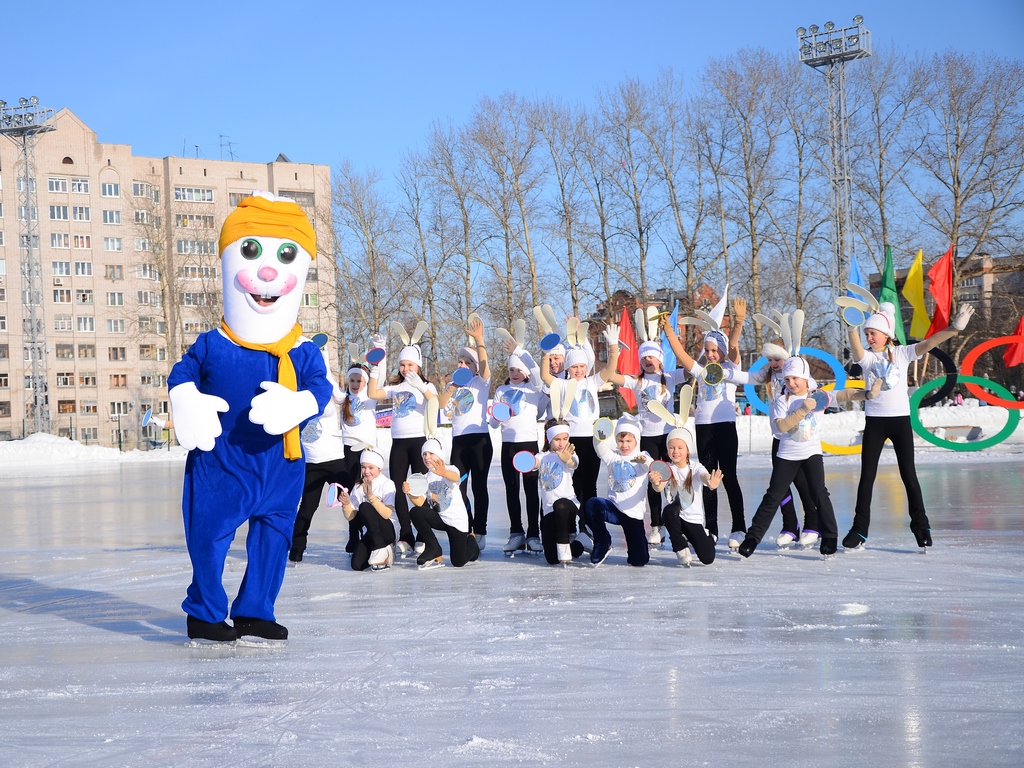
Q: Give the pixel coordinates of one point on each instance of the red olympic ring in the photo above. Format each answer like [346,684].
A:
[967,369]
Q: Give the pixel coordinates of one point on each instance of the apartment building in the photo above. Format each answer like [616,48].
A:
[131,275]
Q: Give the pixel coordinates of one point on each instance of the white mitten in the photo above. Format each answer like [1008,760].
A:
[963,316]
[379,341]
[279,409]
[611,335]
[196,423]
[413,380]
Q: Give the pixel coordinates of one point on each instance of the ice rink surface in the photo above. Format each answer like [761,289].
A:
[886,657]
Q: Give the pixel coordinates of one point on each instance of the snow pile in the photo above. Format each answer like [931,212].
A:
[51,450]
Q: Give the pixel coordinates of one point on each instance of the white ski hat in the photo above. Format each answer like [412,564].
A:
[652,349]
[576,356]
[798,367]
[470,354]
[558,349]
[515,361]
[884,320]
[433,445]
[627,424]
[770,349]
[370,456]
[411,354]
[682,433]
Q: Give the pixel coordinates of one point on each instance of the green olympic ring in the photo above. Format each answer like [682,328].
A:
[1012,416]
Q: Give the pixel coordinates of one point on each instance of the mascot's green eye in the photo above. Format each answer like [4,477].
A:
[251,249]
[286,253]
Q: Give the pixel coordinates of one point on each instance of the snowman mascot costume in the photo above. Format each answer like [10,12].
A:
[240,396]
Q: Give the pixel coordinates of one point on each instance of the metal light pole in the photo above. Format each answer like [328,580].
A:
[828,50]
[22,125]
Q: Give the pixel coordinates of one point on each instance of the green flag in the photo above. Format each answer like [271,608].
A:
[888,293]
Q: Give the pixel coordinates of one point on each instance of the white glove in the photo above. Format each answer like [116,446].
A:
[611,335]
[196,423]
[511,347]
[378,340]
[413,380]
[279,409]
[963,316]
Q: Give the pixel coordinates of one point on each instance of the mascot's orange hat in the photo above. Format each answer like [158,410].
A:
[257,215]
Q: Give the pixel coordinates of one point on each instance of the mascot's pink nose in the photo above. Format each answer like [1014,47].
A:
[267,273]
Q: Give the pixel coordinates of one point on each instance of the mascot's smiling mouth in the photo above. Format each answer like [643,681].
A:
[264,301]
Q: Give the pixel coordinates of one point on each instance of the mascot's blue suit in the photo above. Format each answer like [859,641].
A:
[244,478]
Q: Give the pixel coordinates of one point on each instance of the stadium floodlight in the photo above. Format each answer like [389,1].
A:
[800,31]
[858,19]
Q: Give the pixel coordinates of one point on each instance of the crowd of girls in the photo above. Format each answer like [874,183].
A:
[656,469]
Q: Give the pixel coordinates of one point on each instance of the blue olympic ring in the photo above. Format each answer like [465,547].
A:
[760,406]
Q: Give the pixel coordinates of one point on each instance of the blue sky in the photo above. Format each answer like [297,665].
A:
[324,81]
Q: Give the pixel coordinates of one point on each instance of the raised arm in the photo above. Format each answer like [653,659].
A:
[610,371]
[373,390]
[856,348]
[963,317]
[739,316]
[476,330]
[677,346]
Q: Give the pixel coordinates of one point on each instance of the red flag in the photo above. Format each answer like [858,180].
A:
[1014,354]
[941,289]
[629,359]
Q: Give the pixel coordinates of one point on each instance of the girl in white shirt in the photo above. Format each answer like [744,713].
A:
[718,444]
[627,467]
[526,401]
[472,450]
[409,393]
[560,507]
[654,384]
[888,416]
[442,509]
[794,422]
[684,506]
[370,506]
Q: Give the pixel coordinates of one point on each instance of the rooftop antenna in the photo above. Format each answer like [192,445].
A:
[197,151]
[183,137]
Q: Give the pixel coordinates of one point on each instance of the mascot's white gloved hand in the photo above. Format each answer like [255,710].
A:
[963,316]
[196,423]
[279,409]
[611,335]
[413,380]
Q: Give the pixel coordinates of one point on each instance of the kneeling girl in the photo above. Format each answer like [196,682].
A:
[371,509]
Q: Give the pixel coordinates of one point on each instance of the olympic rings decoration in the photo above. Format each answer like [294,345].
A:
[947,387]
[968,370]
[844,450]
[760,406]
[1012,416]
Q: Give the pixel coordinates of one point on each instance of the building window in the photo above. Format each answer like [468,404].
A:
[161,328]
[147,352]
[115,326]
[161,352]
[111,217]
[310,325]
[83,296]
[58,213]
[5,408]
[80,186]
[119,380]
[115,299]
[194,299]
[60,240]
[310,300]
[61,268]
[83,242]
[5,381]
[195,327]
[87,379]
[234,198]
[150,298]
[3,295]
[141,217]
[86,324]
[61,295]
[81,213]
[66,379]
[311,275]
[113,272]
[195,272]
[65,351]
[5,351]
[19,184]
[33,213]
[88,406]
[200,247]
[188,221]
[141,189]
[119,408]
[141,244]
[193,195]
[3,329]
[147,272]
[86,351]
[112,244]
[57,185]
[116,354]
[65,406]
[83,268]
[63,323]
[108,189]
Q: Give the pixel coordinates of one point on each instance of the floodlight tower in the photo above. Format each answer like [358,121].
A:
[828,51]
[23,124]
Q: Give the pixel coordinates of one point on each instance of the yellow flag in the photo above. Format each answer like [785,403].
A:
[913,292]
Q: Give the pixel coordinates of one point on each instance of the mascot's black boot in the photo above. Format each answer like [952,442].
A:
[268,630]
[205,630]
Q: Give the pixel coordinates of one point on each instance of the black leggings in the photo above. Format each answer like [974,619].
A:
[317,476]
[461,546]
[783,472]
[379,533]
[405,456]
[898,430]
[790,522]
[682,533]
[511,477]
[717,448]
[472,454]
[556,526]
[657,448]
[584,479]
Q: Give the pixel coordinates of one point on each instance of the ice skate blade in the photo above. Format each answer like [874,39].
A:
[859,548]
[383,567]
[514,552]
[251,641]
[202,642]
[829,557]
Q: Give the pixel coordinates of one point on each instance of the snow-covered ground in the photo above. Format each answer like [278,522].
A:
[885,657]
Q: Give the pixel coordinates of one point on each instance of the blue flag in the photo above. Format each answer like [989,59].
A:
[855,276]
[666,350]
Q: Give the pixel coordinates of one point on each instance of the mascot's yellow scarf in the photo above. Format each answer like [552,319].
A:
[285,375]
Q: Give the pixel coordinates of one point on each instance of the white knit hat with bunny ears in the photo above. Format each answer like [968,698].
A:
[884,320]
